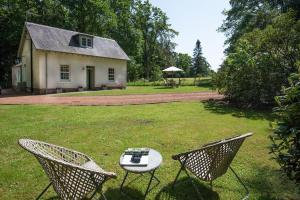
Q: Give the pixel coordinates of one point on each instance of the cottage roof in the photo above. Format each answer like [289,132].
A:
[61,40]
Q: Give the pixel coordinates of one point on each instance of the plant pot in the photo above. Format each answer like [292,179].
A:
[80,89]
[59,90]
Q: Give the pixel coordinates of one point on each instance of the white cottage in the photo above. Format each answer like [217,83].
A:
[54,59]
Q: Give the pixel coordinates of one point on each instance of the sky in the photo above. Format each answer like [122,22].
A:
[197,19]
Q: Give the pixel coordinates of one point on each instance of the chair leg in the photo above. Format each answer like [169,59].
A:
[194,185]
[174,183]
[41,194]
[241,182]
[102,195]
[190,178]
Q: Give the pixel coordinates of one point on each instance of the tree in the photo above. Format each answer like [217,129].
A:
[200,65]
[286,136]
[126,32]
[12,17]
[133,70]
[261,62]
[157,35]
[184,61]
[245,16]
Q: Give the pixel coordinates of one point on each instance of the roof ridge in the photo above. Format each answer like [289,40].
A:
[68,30]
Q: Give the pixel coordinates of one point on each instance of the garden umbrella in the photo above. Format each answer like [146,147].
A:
[172,70]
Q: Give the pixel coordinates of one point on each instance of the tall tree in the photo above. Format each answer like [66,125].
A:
[246,15]
[200,65]
[184,61]
[125,32]
[157,35]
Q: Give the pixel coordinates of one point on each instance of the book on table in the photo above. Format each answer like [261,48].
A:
[135,157]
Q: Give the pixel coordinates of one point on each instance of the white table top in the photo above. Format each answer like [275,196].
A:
[154,161]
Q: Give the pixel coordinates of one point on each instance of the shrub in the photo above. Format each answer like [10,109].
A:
[286,137]
[261,62]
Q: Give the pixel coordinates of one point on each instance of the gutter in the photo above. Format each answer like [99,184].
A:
[31,66]
[46,63]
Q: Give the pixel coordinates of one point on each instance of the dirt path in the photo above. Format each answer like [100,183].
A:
[109,100]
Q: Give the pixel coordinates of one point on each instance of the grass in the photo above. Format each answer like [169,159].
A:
[104,132]
[138,90]
[200,81]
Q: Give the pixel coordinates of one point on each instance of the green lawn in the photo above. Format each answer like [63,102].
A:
[104,132]
[139,90]
[183,81]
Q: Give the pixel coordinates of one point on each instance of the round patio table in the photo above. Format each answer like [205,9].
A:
[154,161]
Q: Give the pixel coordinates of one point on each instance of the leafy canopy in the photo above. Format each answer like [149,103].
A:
[260,61]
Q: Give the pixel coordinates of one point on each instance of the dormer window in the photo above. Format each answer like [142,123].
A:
[89,42]
[86,41]
[83,41]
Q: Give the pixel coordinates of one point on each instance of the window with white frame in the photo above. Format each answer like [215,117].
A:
[83,41]
[89,42]
[86,41]
[64,72]
[111,74]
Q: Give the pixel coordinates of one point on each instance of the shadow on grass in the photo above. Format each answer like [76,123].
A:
[221,107]
[115,193]
[271,184]
[185,190]
[53,198]
[264,183]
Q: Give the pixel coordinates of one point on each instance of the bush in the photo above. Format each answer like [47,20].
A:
[286,137]
[261,62]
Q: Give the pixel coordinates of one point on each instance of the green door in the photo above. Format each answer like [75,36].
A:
[90,77]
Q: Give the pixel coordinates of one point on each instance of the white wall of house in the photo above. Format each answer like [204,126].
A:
[15,72]
[26,64]
[78,65]
[26,61]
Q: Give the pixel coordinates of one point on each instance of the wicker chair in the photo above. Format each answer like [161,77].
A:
[211,161]
[72,174]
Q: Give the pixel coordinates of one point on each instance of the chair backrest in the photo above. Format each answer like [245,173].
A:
[64,168]
[54,152]
[214,159]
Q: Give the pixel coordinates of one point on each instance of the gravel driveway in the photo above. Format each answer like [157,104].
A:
[109,100]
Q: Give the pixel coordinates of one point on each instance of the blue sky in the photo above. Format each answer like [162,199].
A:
[197,19]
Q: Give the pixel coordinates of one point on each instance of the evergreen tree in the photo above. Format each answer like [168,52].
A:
[200,65]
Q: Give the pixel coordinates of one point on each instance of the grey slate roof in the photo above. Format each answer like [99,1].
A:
[61,40]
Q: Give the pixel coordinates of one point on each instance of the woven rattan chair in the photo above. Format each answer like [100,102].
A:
[72,174]
[212,160]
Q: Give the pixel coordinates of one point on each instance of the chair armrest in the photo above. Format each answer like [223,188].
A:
[101,173]
[111,174]
[175,157]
